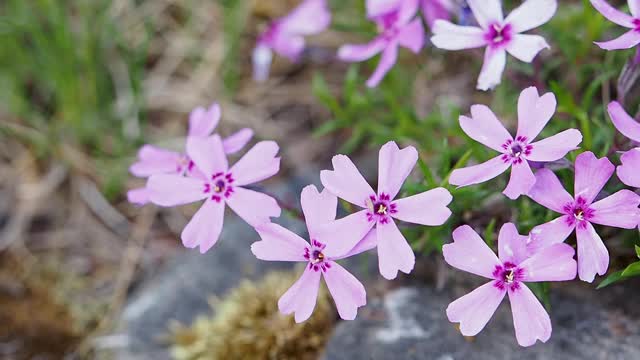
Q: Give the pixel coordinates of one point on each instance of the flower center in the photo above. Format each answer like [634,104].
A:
[184,165]
[508,276]
[380,207]
[579,212]
[516,150]
[317,260]
[220,186]
[499,34]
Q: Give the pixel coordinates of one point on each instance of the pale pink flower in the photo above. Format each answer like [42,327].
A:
[579,212]
[508,274]
[497,34]
[534,112]
[629,171]
[219,185]
[398,26]
[153,160]
[380,209]
[628,39]
[433,10]
[280,244]
[285,36]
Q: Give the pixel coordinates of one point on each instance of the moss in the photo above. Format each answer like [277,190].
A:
[248,325]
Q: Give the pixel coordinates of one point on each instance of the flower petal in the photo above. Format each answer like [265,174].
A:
[625,41]
[592,174]
[614,15]
[253,207]
[205,226]
[548,191]
[512,247]
[553,263]
[174,190]
[485,128]
[521,181]
[618,210]
[394,165]
[477,174]
[627,125]
[139,196]
[257,164]
[153,160]
[593,256]
[318,208]
[556,146]
[530,319]
[412,36]
[394,252]
[309,18]
[202,122]
[495,59]
[377,8]
[634,6]
[356,53]
[208,154]
[553,232]
[344,234]
[474,310]
[369,242]
[531,14]
[449,36]
[468,252]
[278,244]
[433,10]
[346,182]
[427,208]
[236,141]
[628,171]
[348,292]
[302,296]
[261,58]
[387,60]
[534,112]
[526,47]
[486,12]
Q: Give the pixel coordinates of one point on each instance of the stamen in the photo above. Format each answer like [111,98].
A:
[509,276]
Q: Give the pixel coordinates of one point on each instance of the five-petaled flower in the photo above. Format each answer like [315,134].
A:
[507,273]
[286,35]
[628,39]
[153,160]
[629,171]
[497,34]
[580,212]
[397,26]
[534,112]
[320,256]
[219,185]
[379,209]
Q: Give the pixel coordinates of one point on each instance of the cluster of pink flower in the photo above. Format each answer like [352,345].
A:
[203,173]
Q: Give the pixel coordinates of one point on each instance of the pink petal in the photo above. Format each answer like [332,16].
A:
[261,58]
[512,247]
[356,53]
[387,60]
[253,207]
[479,173]
[521,181]
[593,256]
[139,196]
[553,263]
[288,45]
[531,14]
[468,252]
[344,234]
[449,36]
[627,125]
[534,112]
[174,190]
[346,182]
[257,164]
[377,8]
[474,310]
[369,242]
[628,171]
[318,208]
[347,292]
[202,122]
[427,208]
[433,10]
[236,141]
[556,146]
[153,160]
[530,319]
[394,165]
[625,41]
[309,18]
[208,154]
[278,244]
[205,226]
[394,252]
[406,11]
[526,47]
[553,232]
[618,210]
[412,36]
[548,191]
[485,128]
[634,6]
[301,297]
[591,175]
[495,59]
[614,15]
[486,12]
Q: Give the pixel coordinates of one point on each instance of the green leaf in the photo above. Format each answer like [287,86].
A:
[611,279]
[637,250]
[489,233]
[461,162]
[428,175]
[632,270]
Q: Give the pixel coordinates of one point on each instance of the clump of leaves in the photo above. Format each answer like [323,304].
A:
[248,325]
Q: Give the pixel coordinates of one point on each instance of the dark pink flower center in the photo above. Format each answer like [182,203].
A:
[516,150]
[317,260]
[508,276]
[579,212]
[636,23]
[380,208]
[220,186]
[499,34]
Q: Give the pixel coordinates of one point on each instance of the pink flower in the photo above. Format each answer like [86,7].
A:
[219,185]
[379,209]
[628,39]
[433,10]
[580,212]
[497,34]
[280,244]
[629,171]
[153,160]
[508,274]
[534,112]
[398,26]
[286,35]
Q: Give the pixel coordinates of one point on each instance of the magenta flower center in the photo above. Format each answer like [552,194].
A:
[508,276]
[516,150]
[499,34]
[220,186]
[380,208]
[579,212]
[317,260]
[636,23]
